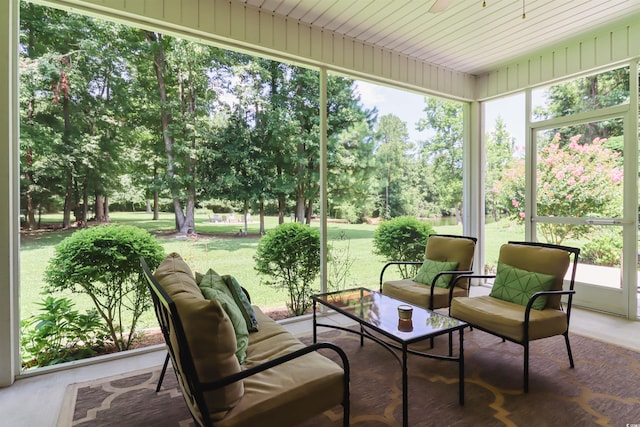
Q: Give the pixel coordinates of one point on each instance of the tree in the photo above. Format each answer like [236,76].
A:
[443,151]
[499,152]
[575,179]
[352,187]
[392,155]
[585,94]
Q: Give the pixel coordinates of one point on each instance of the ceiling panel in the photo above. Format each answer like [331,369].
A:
[465,37]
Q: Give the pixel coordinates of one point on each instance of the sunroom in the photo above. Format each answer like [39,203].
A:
[480,53]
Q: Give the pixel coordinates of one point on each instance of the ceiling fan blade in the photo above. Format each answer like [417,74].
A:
[440,5]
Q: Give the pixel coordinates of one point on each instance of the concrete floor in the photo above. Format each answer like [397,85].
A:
[36,400]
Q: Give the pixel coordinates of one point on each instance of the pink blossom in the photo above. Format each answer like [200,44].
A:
[560,175]
[571,181]
[616,175]
[515,203]
[522,215]
[569,196]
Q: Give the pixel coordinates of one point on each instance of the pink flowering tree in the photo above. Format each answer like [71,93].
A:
[574,179]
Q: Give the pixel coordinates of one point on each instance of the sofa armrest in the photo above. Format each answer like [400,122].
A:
[280,360]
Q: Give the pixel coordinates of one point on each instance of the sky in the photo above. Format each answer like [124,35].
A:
[409,106]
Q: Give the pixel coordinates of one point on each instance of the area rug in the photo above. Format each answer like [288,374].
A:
[602,390]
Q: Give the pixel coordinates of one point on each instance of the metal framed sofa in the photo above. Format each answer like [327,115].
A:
[281,383]
[525,302]
[446,257]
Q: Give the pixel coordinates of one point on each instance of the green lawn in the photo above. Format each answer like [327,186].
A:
[227,255]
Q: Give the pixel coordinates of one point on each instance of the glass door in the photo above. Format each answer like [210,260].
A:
[581,177]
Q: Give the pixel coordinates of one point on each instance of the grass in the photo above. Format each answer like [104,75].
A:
[218,247]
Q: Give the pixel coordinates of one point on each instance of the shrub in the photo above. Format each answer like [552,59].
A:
[104,263]
[603,249]
[339,263]
[402,239]
[60,334]
[289,257]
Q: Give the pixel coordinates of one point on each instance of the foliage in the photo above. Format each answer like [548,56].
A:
[604,248]
[575,179]
[499,155]
[588,93]
[60,334]
[402,239]
[392,163]
[289,257]
[104,263]
[339,263]
[442,153]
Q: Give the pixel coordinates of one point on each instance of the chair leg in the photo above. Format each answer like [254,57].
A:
[526,367]
[164,370]
[566,340]
[346,412]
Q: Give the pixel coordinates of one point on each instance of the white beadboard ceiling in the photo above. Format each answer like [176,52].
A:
[466,37]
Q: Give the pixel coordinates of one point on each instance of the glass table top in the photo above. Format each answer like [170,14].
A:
[381,312]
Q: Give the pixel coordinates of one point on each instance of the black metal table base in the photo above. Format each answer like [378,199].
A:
[404,348]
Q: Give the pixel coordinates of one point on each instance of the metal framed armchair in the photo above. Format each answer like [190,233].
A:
[446,258]
[525,302]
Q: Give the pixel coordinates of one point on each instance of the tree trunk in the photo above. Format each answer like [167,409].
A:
[245,212]
[262,230]
[99,209]
[85,206]
[300,207]
[106,209]
[159,65]
[66,214]
[309,211]
[156,208]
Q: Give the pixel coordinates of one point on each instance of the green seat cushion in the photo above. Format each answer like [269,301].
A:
[518,286]
[430,269]
[213,288]
[242,301]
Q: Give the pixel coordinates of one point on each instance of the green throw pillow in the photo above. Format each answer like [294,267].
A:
[518,286]
[242,301]
[213,288]
[430,269]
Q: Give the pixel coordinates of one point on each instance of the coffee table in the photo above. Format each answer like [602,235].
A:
[374,311]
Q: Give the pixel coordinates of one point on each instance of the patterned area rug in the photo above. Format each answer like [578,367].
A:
[601,391]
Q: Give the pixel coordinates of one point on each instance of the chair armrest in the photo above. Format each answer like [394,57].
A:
[279,361]
[467,275]
[539,294]
[390,263]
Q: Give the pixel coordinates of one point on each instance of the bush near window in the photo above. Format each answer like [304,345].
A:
[289,258]
[603,248]
[104,263]
[60,334]
[402,239]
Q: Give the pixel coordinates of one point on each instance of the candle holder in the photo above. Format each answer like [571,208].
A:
[405,312]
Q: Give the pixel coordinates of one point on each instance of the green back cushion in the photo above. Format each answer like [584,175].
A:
[242,302]
[208,331]
[430,269]
[539,259]
[518,286]
[214,289]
